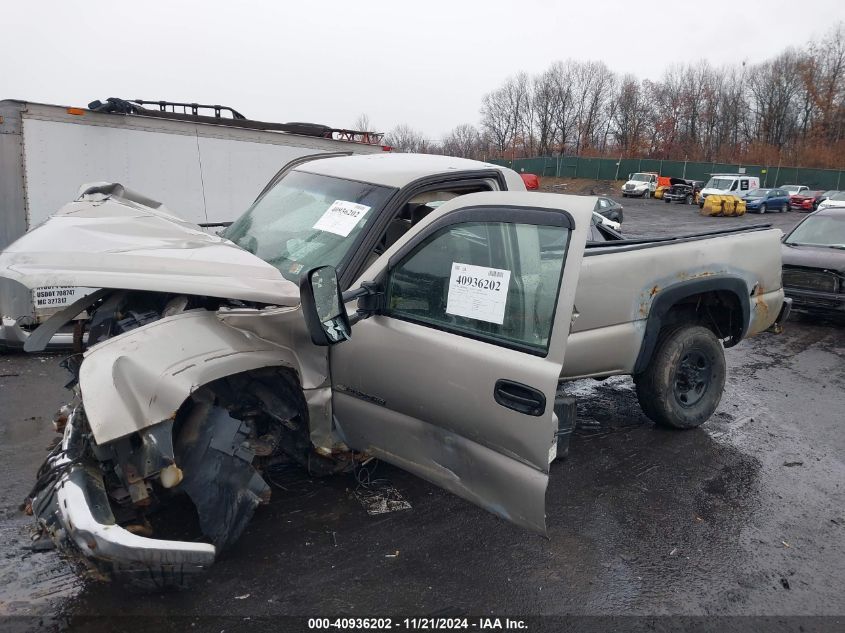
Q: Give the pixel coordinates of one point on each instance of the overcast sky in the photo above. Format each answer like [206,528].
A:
[425,63]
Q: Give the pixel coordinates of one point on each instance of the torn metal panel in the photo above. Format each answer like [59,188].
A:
[142,377]
[320,418]
[286,327]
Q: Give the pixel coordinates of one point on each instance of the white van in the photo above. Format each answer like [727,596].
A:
[725,184]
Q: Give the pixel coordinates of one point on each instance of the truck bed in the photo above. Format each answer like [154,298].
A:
[621,280]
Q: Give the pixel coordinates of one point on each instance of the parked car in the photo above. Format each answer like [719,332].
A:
[835,200]
[728,184]
[208,356]
[640,185]
[600,220]
[827,194]
[793,189]
[805,201]
[762,200]
[610,209]
[682,190]
[814,262]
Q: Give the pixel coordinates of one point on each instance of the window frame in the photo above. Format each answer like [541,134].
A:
[355,265]
[501,214]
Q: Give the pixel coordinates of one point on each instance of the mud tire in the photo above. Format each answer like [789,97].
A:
[688,364]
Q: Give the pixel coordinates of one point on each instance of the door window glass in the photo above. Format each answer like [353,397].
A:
[492,280]
[743,185]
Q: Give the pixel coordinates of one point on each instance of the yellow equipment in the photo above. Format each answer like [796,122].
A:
[729,206]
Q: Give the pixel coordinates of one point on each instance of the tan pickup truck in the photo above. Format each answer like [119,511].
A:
[418,309]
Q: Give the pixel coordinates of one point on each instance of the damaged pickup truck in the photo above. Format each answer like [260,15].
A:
[422,310]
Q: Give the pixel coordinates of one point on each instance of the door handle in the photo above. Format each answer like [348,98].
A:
[519,397]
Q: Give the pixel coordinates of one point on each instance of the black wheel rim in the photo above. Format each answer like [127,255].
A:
[692,378]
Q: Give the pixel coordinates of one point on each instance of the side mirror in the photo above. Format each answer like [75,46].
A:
[322,306]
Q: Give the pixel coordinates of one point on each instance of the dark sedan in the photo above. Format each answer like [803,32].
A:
[814,262]
[610,209]
[762,200]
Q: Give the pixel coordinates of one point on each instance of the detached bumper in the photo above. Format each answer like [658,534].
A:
[76,514]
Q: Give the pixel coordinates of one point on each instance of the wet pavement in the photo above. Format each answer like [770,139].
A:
[743,516]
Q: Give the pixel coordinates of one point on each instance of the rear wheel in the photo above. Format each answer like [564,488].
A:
[683,383]
[785,208]
[665,199]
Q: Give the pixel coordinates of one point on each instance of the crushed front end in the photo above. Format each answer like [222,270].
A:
[153,508]
[73,508]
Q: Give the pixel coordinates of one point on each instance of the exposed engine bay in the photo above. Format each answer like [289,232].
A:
[204,464]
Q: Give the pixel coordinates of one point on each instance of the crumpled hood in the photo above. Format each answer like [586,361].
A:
[112,237]
[814,257]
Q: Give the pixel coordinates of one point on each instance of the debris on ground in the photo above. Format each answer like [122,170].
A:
[381,499]
[378,496]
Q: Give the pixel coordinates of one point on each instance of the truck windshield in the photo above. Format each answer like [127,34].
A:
[641,177]
[307,220]
[820,230]
[719,183]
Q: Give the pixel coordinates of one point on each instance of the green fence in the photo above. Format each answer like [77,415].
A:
[618,169]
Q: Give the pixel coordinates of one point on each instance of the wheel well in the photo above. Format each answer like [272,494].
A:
[720,304]
[717,310]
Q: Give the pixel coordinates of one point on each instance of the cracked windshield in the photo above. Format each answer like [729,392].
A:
[307,220]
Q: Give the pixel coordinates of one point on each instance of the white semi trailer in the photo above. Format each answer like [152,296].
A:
[206,168]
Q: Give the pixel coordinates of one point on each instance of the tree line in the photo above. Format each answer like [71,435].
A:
[789,109]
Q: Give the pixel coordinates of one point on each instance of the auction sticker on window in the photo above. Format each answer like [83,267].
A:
[341,217]
[478,292]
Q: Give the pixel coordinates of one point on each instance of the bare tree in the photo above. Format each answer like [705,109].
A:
[630,117]
[362,123]
[404,138]
[794,102]
[464,141]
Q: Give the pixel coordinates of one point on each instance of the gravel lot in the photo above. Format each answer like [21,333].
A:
[744,516]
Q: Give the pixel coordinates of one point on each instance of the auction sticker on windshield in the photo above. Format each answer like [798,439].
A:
[341,217]
[478,292]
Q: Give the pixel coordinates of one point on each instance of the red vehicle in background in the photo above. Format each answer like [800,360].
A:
[806,200]
[532,181]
